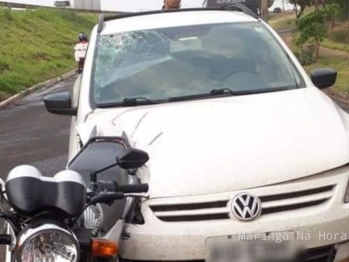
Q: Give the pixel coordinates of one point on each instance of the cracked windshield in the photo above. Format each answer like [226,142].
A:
[183,61]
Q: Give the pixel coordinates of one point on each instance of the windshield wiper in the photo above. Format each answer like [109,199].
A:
[223,91]
[134,101]
[213,92]
[227,91]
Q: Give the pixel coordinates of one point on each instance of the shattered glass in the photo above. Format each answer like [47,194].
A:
[189,60]
[127,51]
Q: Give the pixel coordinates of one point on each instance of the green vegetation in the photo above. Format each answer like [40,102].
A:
[311,31]
[313,47]
[36,45]
[338,60]
[320,38]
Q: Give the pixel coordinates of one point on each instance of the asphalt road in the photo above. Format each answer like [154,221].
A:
[31,135]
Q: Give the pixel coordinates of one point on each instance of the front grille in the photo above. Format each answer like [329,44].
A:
[220,210]
[320,254]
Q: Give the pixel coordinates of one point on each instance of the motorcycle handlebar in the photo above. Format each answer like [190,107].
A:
[136,188]
[112,186]
[107,198]
[112,192]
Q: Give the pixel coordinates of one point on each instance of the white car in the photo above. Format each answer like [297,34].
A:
[283,5]
[243,144]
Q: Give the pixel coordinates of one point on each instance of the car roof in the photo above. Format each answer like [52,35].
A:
[173,19]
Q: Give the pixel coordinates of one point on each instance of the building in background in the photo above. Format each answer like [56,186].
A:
[87,5]
[282,5]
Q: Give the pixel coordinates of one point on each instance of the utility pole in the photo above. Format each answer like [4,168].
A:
[264,10]
[317,4]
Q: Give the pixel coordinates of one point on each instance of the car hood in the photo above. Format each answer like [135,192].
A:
[231,143]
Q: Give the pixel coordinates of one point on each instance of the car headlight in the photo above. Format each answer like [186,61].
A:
[48,242]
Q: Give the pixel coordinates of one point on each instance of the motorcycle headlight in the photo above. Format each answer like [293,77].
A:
[48,242]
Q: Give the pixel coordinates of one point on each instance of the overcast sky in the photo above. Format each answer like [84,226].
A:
[119,5]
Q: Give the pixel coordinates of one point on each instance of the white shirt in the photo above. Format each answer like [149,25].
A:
[80,51]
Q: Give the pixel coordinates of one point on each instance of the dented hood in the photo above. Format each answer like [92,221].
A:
[231,143]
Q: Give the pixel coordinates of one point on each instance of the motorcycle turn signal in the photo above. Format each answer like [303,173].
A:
[103,248]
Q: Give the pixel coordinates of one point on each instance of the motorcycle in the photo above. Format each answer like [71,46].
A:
[73,216]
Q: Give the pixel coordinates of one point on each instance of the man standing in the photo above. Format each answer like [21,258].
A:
[80,51]
[171,4]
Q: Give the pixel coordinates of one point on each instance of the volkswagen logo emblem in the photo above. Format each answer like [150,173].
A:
[246,206]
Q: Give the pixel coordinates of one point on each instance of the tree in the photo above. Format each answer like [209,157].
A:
[311,30]
[303,4]
[318,3]
[270,3]
[343,7]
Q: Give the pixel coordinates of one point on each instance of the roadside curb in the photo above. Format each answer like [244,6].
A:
[337,95]
[40,86]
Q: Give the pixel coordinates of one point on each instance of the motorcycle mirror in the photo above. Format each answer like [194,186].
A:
[129,159]
[132,158]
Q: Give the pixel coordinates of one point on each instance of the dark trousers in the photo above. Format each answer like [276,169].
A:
[81,64]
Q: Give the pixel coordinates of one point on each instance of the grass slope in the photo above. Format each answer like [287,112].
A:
[36,45]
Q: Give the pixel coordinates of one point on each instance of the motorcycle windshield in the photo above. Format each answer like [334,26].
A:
[98,154]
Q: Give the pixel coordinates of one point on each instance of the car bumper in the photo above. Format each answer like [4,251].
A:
[168,234]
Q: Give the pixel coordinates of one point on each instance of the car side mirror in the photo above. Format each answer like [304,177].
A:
[132,158]
[323,77]
[60,104]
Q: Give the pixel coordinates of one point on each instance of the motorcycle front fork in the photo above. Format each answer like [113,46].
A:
[9,254]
